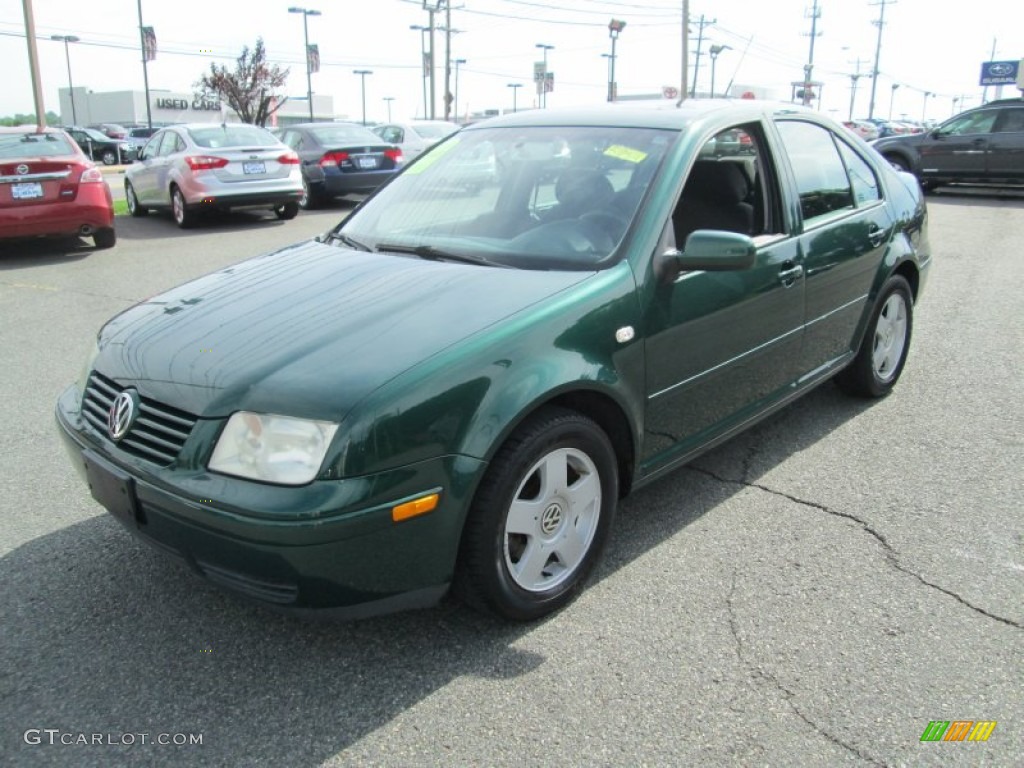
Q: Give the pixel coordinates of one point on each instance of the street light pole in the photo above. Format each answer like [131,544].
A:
[145,67]
[714,51]
[892,98]
[423,61]
[67,55]
[457,63]
[544,75]
[615,26]
[924,107]
[362,75]
[306,13]
[389,99]
[515,90]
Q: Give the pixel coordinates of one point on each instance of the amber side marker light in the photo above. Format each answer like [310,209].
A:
[415,507]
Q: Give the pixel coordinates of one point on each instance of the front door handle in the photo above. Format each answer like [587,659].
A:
[790,275]
[876,235]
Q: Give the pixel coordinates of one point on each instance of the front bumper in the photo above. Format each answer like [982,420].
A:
[329,546]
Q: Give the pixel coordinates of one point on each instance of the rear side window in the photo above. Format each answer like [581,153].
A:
[220,136]
[1010,121]
[819,170]
[862,176]
[34,145]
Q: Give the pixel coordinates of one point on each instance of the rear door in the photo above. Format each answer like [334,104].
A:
[958,149]
[1006,146]
[845,232]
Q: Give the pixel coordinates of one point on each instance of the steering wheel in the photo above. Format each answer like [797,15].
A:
[612,223]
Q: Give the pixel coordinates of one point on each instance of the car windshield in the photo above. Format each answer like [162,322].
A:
[33,145]
[528,197]
[219,136]
[433,130]
[95,135]
[335,134]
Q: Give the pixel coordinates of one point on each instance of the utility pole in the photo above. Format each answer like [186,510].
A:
[447,59]
[991,57]
[685,34]
[145,67]
[878,52]
[854,77]
[808,91]
[33,63]
[431,10]
[700,39]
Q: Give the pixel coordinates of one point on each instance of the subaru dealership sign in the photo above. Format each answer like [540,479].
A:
[999,72]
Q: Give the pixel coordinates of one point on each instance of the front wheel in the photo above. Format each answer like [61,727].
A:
[898,163]
[134,207]
[883,352]
[540,517]
[310,200]
[109,157]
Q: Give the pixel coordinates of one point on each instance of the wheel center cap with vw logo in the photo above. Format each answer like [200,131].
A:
[551,519]
[122,414]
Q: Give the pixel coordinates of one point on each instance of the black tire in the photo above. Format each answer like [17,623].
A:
[183,217]
[104,238]
[567,534]
[898,163]
[883,351]
[287,211]
[109,157]
[134,207]
[310,200]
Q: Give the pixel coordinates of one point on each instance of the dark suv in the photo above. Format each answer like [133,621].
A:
[984,145]
[101,148]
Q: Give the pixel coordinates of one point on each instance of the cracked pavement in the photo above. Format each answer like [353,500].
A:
[812,593]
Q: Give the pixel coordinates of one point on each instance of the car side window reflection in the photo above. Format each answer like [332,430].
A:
[975,122]
[820,172]
[1010,121]
[862,177]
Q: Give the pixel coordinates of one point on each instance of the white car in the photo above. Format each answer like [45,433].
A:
[412,138]
[189,169]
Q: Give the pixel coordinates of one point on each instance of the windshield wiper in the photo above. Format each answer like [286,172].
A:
[431,253]
[351,242]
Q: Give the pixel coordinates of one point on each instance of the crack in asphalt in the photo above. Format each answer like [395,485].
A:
[788,695]
[891,555]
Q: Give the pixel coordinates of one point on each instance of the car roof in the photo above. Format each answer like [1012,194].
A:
[660,113]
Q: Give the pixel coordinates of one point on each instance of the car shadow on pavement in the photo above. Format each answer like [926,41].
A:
[37,252]
[158,225]
[103,635]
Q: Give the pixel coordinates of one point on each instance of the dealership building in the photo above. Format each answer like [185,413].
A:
[129,108]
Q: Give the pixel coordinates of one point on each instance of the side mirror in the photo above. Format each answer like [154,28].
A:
[709,250]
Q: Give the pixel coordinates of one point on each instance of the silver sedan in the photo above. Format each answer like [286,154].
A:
[188,169]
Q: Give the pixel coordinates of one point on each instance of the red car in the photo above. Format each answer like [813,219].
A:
[49,187]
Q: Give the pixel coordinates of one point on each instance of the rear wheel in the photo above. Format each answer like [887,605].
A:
[109,157]
[310,200]
[540,518]
[287,211]
[183,217]
[883,352]
[104,238]
[134,208]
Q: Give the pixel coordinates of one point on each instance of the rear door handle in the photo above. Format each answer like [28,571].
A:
[876,235]
[790,275]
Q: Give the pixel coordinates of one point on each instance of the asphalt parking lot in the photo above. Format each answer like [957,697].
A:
[812,593]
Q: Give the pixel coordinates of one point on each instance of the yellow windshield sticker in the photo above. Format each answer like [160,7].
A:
[432,157]
[620,152]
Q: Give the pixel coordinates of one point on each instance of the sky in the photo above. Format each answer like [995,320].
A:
[927,47]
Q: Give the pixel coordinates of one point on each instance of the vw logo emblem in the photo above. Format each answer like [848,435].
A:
[21,170]
[551,519]
[122,414]
[1000,69]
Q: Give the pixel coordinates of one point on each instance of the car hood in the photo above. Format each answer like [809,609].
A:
[309,330]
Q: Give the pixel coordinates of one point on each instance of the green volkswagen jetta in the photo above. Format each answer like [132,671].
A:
[454,387]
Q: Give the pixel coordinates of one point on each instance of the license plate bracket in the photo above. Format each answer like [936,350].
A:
[112,488]
[254,167]
[366,162]
[27,190]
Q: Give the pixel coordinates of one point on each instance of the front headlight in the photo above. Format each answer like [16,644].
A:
[274,449]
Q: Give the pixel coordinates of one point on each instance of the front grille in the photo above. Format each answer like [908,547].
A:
[158,433]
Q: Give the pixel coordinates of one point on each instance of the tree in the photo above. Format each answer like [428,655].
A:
[252,89]
[52,118]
